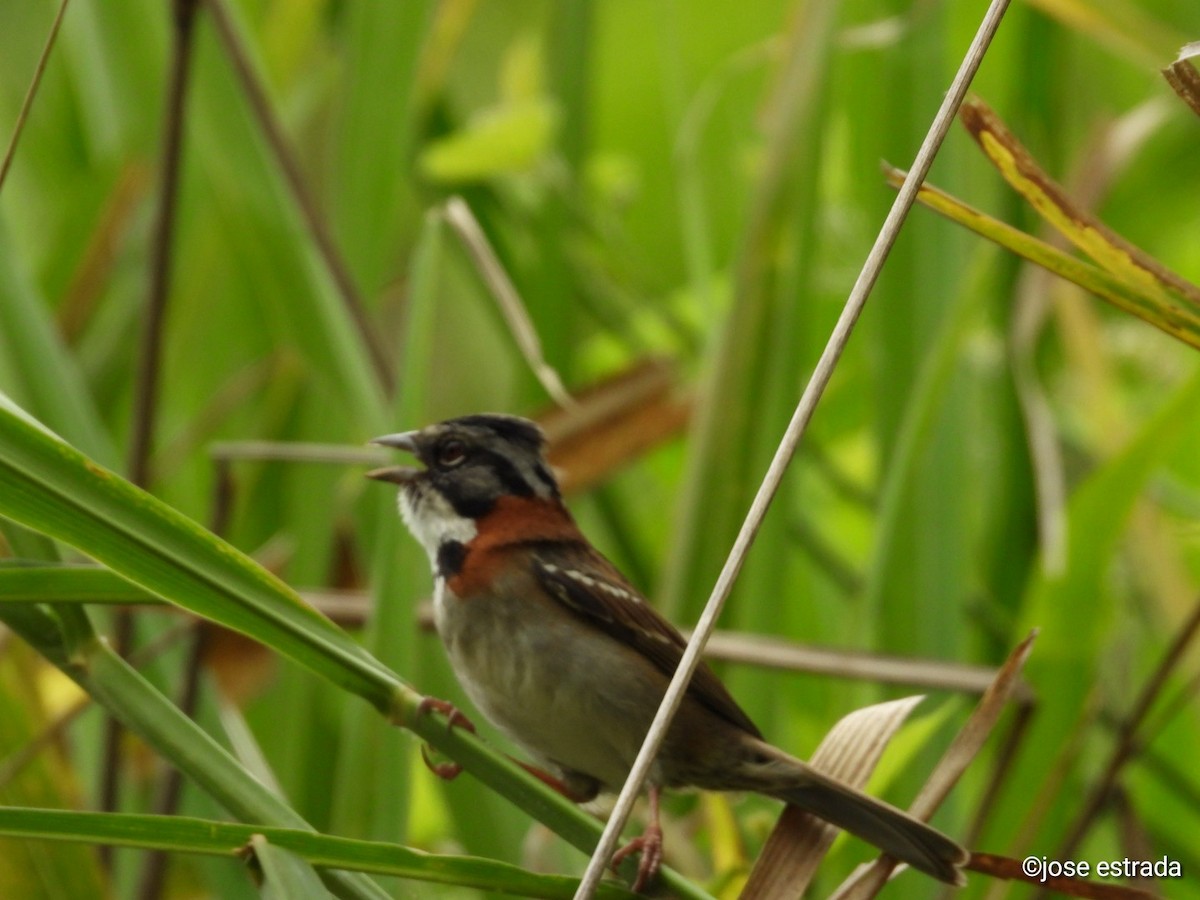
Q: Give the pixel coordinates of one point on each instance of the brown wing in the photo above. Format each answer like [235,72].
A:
[592,588]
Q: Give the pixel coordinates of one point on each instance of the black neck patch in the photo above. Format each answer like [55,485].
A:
[450,558]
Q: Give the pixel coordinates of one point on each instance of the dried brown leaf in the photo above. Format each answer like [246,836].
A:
[849,753]
[1110,251]
[1184,78]
[868,880]
[614,422]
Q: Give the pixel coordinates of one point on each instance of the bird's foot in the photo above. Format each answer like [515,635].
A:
[454,716]
[556,784]
[447,771]
[650,846]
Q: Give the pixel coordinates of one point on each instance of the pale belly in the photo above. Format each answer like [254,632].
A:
[546,687]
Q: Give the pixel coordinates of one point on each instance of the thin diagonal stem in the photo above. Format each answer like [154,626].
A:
[512,307]
[1127,744]
[145,406]
[27,104]
[322,238]
[14,764]
[165,220]
[791,439]
[171,789]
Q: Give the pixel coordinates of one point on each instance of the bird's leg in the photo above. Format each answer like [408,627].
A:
[650,845]
[454,718]
[448,771]
[556,784]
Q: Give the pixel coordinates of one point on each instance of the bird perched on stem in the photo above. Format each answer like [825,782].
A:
[562,654]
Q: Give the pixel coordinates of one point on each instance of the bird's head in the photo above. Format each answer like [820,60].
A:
[469,465]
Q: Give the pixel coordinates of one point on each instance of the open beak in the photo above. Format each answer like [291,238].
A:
[396,474]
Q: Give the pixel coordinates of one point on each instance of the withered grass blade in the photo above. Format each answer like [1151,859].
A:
[799,842]
[868,880]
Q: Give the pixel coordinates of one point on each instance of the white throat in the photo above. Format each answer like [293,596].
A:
[433,522]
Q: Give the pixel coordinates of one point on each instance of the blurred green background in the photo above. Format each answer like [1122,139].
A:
[692,182]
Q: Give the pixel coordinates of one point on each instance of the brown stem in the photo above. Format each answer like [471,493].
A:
[1127,743]
[154,871]
[1005,759]
[27,104]
[171,789]
[149,363]
[260,106]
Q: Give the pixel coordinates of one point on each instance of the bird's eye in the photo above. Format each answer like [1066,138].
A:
[451,453]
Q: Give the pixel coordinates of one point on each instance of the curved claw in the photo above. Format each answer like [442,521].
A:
[650,845]
[454,716]
[447,771]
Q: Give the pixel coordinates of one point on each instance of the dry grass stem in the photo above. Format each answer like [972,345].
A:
[465,225]
[1183,77]
[868,881]
[799,840]
[289,166]
[791,439]
[1127,744]
[34,83]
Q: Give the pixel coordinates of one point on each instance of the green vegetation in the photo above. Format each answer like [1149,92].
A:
[681,195]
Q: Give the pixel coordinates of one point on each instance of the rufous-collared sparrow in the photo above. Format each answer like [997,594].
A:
[562,654]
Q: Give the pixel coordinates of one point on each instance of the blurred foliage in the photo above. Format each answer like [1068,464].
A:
[670,179]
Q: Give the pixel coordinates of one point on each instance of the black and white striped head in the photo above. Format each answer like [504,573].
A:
[469,464]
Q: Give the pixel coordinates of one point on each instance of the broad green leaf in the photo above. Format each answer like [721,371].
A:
[69,584]
[1176,318]
[730,446]
[500,140]
[284,874]
[188,835]
[252,211]
[141,708]
[1075,610]
[53,385]
[27,869]
[1124,26]
[1110,251]
[374,137]
[49,486]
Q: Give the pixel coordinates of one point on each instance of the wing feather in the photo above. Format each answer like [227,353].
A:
[593,589]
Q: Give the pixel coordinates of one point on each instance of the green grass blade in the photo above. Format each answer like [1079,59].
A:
[28,869]
[284,874]
[48,485]
[1173,315]
[69,584]
[723,467]
[51,487]
[1074,608]
[53,383]
[188,835]
[145,711]
[375,133]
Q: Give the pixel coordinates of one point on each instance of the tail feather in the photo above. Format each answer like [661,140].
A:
[893,831]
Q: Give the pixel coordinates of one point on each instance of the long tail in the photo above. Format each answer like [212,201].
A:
[893,831]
